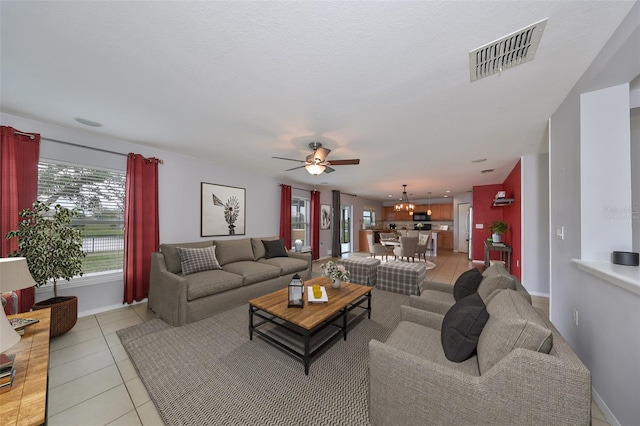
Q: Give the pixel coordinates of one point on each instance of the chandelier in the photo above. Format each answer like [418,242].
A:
[404,204]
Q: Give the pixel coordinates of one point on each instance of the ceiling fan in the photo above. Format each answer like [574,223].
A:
[317,163]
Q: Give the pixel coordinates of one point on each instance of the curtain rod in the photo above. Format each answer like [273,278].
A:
[29,135]
[84,146]
[301,189]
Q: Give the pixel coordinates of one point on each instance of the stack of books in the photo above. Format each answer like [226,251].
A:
[7,371]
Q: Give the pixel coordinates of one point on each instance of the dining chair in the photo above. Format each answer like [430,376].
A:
[407,248]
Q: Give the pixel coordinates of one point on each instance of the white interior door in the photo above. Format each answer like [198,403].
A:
[463,227]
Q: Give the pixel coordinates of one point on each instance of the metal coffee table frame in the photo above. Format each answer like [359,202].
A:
[307,335]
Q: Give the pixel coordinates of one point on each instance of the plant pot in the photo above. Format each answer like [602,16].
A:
[64,313]
[496,238]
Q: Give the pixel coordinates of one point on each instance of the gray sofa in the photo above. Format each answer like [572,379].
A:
[438,297]
[522,372]
[245,273]
[511,379]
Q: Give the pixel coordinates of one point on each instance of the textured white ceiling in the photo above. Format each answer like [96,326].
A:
[240,82]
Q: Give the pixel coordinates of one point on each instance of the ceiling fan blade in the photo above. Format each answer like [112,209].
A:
[353,161]
[329,170]
[294,168]
[289,159]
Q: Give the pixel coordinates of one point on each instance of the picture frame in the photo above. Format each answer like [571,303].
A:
[222,210]
[325,216]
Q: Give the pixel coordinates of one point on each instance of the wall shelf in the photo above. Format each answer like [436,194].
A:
[499,202]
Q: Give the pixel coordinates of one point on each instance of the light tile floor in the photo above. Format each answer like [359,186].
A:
[93,382]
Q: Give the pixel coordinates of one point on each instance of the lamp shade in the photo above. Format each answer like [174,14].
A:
[8,336]
[14,274]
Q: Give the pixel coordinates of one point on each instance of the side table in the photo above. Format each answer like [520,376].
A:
[505,253]
[26,402]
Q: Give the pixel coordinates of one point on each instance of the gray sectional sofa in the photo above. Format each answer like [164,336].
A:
[438,297]
[245,273]
[522,371]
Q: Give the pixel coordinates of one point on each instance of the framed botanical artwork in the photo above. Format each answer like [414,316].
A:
[222,210]
[325,216]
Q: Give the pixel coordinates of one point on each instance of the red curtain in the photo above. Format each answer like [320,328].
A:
[285,214]
[141,228]
[19,155]
[315,225]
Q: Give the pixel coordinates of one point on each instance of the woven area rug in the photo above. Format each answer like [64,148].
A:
[209,372]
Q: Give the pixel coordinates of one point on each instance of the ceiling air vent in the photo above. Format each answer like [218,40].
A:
[507,52]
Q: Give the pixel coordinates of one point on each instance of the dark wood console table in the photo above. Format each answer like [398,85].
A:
[505,253]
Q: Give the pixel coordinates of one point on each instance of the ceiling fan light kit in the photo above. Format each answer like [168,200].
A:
[316,163]
[404,204]
[315,169]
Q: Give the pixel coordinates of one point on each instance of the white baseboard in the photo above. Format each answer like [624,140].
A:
[603,407]
[107,308]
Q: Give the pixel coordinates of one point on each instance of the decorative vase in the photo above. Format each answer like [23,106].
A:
[335,282]
[497,238]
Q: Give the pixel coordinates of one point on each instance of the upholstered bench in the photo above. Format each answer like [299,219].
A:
[363,270]
[402,277]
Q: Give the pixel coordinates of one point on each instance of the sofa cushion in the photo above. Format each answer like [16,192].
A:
[489,285]
[513,323]
[274,248]
[198,259]
[424,342]
[252,272]
[206,283]
[258,246]
[437,301]
[461,327]
[467,284]
[172,258]
[229,251]
[287,265]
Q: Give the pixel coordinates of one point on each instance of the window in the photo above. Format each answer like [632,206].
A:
[300,218]
[368,217]
[98,196]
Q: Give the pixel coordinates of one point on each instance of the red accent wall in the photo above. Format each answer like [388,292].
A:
[484,213]
[512,214]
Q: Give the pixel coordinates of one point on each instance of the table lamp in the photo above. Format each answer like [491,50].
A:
[14,275]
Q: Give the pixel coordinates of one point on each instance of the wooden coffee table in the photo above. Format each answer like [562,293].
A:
[311,320]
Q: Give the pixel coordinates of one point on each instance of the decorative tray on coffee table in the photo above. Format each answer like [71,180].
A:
[322,299]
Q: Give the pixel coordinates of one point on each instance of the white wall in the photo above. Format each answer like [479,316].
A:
[179,199]
[607,338]
[605,184]
[535,223]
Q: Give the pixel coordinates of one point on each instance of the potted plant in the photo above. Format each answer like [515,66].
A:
[498,227]
[53,250]
[336,273]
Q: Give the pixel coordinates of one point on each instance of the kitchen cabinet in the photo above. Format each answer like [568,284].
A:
[445,240]
[439,212]
[446,211]
[436,212]
[389,215]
